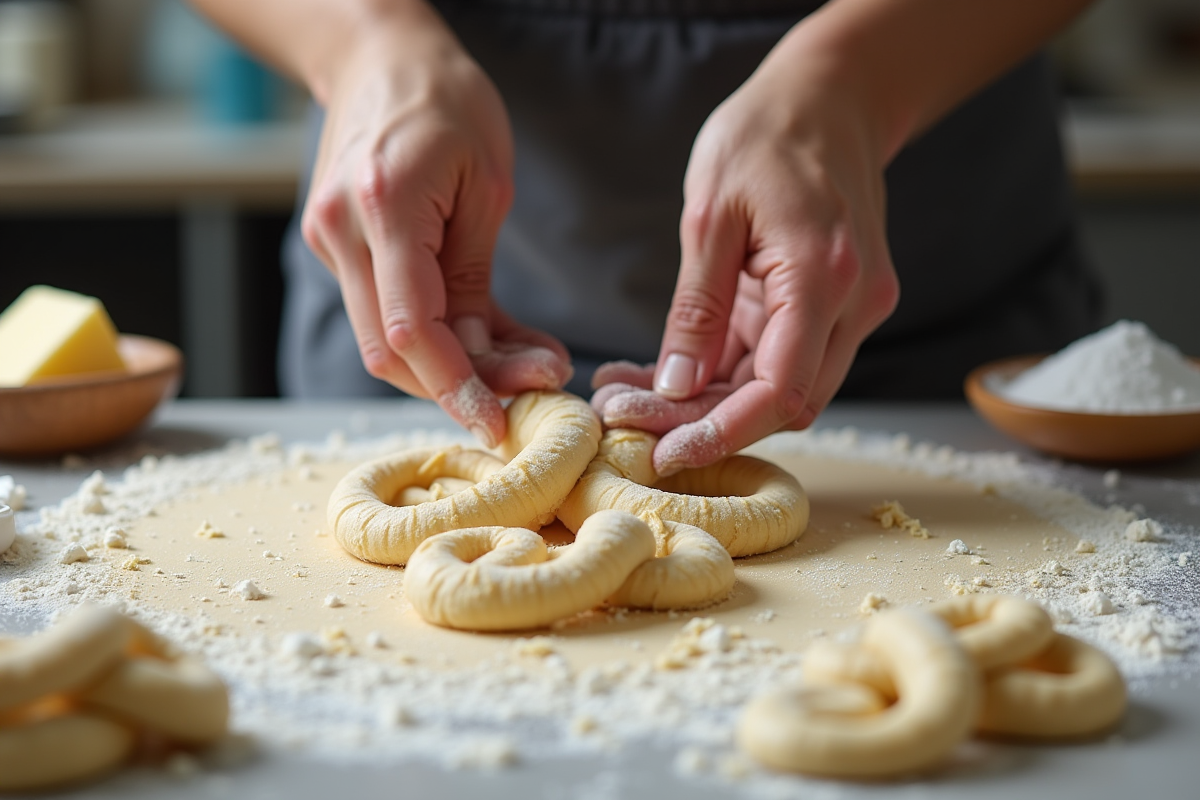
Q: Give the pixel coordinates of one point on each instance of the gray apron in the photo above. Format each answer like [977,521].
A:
[606,98]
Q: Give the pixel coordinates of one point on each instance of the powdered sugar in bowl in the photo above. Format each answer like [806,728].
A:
[1120,394]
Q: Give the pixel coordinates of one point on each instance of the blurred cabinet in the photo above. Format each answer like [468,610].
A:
[142,162]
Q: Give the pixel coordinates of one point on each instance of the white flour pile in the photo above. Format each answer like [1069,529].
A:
[1137,598]
[1123,369]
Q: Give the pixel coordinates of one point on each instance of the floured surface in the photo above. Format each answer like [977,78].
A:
[274,534]
[305,673]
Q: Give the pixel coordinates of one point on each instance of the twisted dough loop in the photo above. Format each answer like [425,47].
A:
[492,579]
[836,731]
[551,438]
[691,569]
[75,695]
[1069,690]
[748,505]
[61,750]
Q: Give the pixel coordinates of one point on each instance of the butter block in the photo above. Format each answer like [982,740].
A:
[50,332]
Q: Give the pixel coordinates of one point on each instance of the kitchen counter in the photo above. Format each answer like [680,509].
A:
[1153,755]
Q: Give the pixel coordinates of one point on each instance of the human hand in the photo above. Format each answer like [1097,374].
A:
[785,270]
[412,181]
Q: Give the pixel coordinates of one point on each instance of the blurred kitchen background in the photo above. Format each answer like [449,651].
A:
[147,160]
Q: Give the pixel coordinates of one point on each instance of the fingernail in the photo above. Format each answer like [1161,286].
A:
[484,435]
[472,331]
[677,377]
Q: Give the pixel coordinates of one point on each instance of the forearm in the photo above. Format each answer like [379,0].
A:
[310,39]
[910,61]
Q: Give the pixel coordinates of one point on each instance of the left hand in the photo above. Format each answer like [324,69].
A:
[785,271]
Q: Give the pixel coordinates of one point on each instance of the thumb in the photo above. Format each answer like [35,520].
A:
[466,260]
[713,244]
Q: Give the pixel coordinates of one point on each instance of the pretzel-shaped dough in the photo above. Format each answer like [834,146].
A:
[1070,689]
[690,569]
[75,652]
[181,699]
[1037,683]
[61,750]
[499,579]
[996,631]
[832,731]
[551,438]
[750,506]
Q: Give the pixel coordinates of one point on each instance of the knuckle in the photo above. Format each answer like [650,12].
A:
[697,311]
[467,279]
[325,211]
[376,185]
[403,333]
[791,403]
[696,220]
[376,360]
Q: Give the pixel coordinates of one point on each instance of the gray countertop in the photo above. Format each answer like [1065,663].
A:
[1155,754]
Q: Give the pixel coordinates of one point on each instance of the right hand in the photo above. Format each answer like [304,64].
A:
[412,181]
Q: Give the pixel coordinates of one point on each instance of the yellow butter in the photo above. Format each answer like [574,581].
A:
[50,332]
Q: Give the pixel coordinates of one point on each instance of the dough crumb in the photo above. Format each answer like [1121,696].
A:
[12,494]
[1143,530]
[871,603]
[301,645]
[394,715]
[247,590]
[1184,558]
[133,563]
[1112,479]
[1084,546]
[1098,604]
[766,615]
[692,761]
[114,539]
[333,601]
[583,724]
[95,506]
[72,553]
[375,640]
[958,548]
[537,646]
[890,514]
[485,753]
[207,531]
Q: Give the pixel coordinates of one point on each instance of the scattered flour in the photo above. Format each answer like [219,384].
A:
[316,694]
[1123,369]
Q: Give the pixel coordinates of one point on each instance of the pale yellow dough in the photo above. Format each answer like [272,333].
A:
[1069,690]
[61,750]
[552,436]
[500,579]
[938,690]
[691,569]
[748,505]
[76,695]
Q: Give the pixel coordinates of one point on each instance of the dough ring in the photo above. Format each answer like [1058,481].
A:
[76,651]
[691,569]
[995,630]
[551,438]
[61,750]
[834,731]
[1071,689]
[750,506]
[182,699]
[501,579]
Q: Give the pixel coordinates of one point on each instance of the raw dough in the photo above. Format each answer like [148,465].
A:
[73,698]
[1069,690]
[841,735]
[552,436]
[498,579]
[692,569]
[750,506]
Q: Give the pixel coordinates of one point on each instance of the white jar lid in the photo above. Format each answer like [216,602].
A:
[8,527]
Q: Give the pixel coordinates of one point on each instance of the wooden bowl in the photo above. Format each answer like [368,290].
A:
[1083,436]
[80,412]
